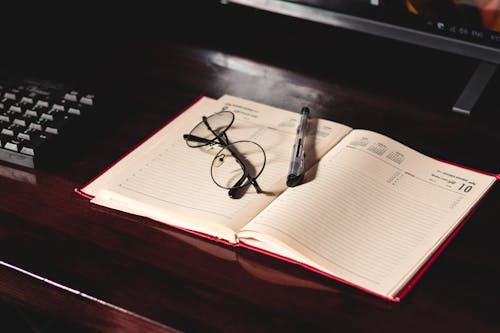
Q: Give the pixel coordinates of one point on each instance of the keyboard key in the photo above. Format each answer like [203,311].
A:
[26,100]
[52,130]
[36,126]
[87,100]
[28,150]
[42,104]
[74,111]
[20,122]
[11,146]
[47,116]
[71,96]
[57,108]
[9,95]
[5,118]
[31,114]
[7,132]
[24,136]
[15,109]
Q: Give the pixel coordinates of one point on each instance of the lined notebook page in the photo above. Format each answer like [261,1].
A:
[171,182]
[373,213]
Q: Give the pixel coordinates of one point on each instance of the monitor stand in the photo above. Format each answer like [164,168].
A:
[475,87]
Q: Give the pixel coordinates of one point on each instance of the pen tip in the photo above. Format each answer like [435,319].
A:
[293,180]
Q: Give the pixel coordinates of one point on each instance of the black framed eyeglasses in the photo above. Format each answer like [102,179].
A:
[238,164]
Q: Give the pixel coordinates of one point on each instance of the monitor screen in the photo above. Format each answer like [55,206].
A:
[466,27]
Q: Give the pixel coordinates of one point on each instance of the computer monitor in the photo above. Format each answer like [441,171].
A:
[467,27]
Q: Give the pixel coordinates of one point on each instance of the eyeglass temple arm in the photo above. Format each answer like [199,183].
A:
[237,190]
[194,138]
[244,165]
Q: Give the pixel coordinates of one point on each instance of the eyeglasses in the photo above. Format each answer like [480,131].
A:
[238,164]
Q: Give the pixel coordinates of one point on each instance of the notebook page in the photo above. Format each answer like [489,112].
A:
[171,182]
[374,213]
[134,158]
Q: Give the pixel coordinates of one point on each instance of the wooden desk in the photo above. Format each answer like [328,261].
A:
[115,272]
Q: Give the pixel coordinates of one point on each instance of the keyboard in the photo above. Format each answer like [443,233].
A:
[38,119]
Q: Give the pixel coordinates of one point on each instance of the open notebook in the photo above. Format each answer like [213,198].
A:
[371,212]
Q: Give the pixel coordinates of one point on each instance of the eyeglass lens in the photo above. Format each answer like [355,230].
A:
[237,163]
[201,135]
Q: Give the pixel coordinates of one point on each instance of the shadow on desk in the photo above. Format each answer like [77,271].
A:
[274,277]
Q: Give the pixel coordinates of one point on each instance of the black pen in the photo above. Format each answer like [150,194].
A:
[296,173]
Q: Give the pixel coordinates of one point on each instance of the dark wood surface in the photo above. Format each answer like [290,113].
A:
[113,272]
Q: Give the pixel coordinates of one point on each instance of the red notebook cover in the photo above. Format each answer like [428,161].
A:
[400,295]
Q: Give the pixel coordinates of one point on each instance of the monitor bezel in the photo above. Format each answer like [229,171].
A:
[379,28]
